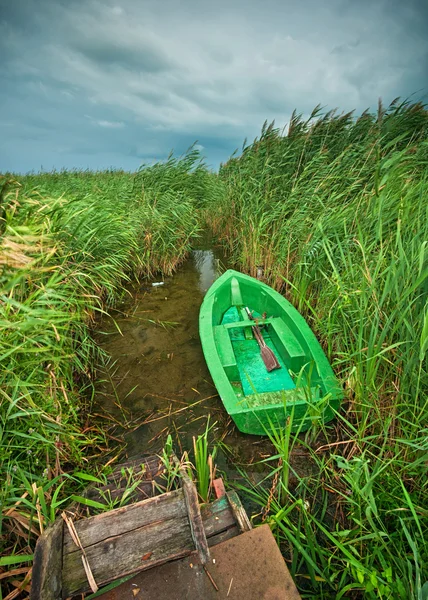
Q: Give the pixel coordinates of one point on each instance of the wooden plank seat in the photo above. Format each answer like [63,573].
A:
[294,355]
[291,350]
[225,352]
[248,323]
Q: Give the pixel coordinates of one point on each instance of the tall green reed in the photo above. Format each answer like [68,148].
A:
[204,463]
[336,213]
[69,241]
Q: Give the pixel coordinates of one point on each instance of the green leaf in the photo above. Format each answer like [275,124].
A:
[87,477]
[424,338]
[88,502]
[360,576]
[15,559]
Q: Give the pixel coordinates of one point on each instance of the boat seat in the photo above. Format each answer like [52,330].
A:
[302,394]
[294,353]
[248,324]
[225,352]
[247,332]
[235,291]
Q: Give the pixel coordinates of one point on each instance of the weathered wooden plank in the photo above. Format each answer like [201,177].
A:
[128,518]
[152,466]
[113,492]
[239,512]
[46,583]
[223,536]
[150,545]
[217,516]
[195,519]
[128,553]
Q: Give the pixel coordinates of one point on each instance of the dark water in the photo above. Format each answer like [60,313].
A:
[157,380]
[157,377]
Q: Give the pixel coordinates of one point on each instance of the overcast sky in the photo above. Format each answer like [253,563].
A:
[100,83]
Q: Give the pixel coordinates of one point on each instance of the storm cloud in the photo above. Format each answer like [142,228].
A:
[117,83]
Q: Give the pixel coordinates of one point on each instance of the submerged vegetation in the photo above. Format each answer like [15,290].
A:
[335,212]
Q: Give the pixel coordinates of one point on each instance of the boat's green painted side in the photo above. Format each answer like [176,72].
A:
[254,398]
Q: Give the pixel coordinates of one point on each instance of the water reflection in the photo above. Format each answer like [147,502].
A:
[157,367]
[208,267]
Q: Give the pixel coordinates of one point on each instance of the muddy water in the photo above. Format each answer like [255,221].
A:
[157,378]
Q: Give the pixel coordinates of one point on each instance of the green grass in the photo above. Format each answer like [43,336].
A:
[69,243]
[336,212]
[204,463]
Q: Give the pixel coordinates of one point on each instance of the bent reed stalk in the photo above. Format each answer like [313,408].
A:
[335,210]
[69,241]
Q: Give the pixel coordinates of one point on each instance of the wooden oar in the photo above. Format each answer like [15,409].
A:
[267,355]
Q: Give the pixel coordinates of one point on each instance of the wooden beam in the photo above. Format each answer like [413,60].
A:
[158,541]
[46,581]
[128,518]
[239,513]
[194,513]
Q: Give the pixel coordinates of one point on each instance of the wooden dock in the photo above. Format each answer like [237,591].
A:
[74,557]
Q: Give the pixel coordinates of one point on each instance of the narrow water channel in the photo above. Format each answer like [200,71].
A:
[157,375]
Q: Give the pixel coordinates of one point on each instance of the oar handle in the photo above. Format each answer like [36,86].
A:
[259,336]
[250,316]
[256,330]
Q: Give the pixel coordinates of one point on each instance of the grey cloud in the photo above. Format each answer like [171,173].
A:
[152,76]
[116,53]
[349,47]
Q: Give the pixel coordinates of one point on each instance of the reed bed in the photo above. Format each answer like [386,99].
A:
[69,242]
[335,211]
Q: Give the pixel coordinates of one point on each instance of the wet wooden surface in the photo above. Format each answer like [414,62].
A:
[139,537]
[132,538]
[46,581]
[246,567]
[191,500]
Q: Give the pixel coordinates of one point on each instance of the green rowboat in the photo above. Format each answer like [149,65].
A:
[303,386]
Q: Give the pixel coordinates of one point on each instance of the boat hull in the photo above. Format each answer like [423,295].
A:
[303,389]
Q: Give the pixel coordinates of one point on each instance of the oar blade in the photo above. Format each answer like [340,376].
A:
[267,354]
[269,359]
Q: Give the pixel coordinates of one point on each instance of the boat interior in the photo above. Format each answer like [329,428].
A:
[239,352]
